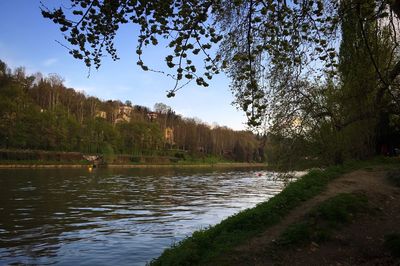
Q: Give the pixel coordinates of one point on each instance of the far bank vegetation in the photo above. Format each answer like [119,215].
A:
[40,113]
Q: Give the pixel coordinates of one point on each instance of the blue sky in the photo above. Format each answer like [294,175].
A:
[26,39]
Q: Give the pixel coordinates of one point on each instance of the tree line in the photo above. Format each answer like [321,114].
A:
[38,112]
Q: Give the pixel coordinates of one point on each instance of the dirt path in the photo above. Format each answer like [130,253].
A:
[360,243]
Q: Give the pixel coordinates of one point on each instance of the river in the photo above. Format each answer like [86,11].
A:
[116,216]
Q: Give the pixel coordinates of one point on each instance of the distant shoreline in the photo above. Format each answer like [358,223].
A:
[133,166]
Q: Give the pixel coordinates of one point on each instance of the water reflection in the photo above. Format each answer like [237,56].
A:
[116,216]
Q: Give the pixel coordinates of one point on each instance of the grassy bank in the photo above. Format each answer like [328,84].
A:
[41,162]
[78,164]
[186,165]
[207,244]
[56,159]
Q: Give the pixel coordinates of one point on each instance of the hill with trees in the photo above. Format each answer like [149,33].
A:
[40,113]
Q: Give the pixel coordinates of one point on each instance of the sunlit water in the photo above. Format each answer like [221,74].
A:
[119,216]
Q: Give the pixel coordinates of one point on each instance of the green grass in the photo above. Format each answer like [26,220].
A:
[296,233]
[340,209]
[392,243]
[204,160]
[329,215]
[42,162]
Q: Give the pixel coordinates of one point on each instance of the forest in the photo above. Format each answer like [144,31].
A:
[40,113]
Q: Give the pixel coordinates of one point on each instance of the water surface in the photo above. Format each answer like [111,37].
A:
[116,216]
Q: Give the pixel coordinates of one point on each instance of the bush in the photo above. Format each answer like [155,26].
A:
[108,153]
[136,159]
[180,156]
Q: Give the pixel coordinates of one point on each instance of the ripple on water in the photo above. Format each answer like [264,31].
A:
[71,217]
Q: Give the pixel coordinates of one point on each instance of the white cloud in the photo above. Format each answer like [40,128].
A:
[50,62]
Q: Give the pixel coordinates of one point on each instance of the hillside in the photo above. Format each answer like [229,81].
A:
[40,113]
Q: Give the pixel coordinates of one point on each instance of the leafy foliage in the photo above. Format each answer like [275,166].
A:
[91,26]
[251,35]
[256,39]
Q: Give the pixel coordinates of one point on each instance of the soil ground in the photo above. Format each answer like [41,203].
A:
[359,243]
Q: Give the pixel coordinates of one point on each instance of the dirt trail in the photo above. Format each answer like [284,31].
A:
[360,243]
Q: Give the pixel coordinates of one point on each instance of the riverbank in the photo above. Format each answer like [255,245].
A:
[307,221]
[44,165]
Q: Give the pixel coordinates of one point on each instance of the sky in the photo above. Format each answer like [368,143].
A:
[29,40]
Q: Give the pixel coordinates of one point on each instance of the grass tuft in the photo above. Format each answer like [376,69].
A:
[319,224]
[340,209]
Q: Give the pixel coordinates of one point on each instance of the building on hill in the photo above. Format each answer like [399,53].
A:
[169,135]
[123,114]
[152,116]
[101,114]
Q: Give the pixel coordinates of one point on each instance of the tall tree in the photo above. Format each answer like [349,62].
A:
[363,56]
